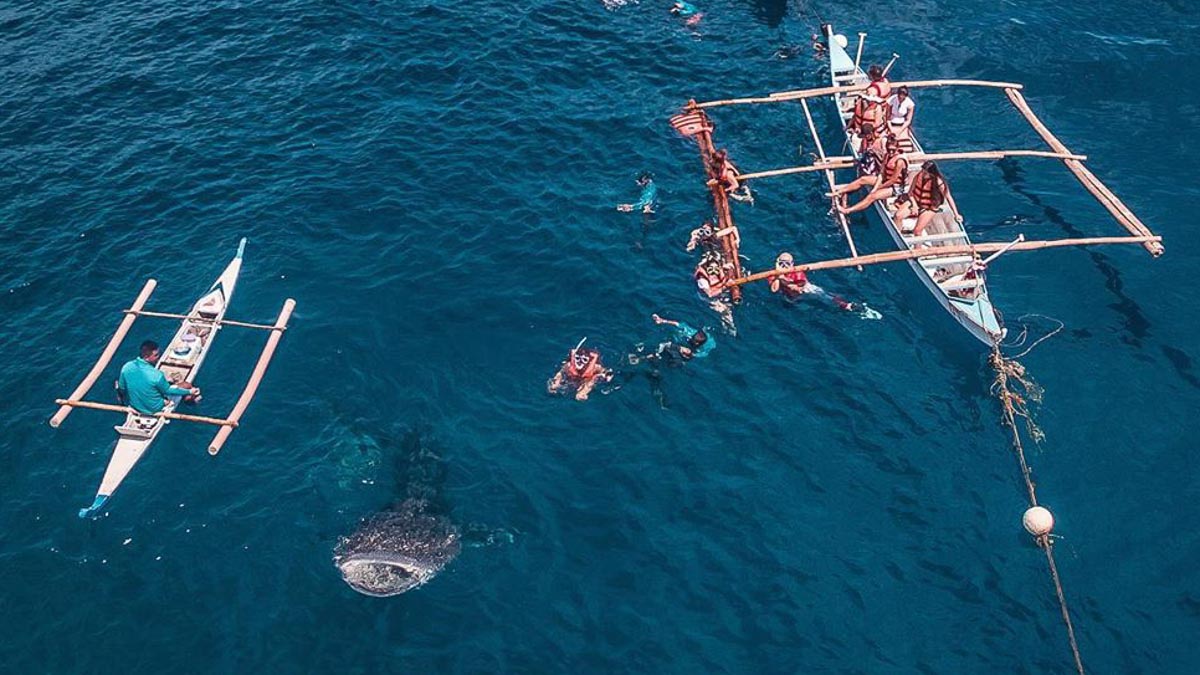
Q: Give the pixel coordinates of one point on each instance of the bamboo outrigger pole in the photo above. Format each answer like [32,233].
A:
[200,319]
[945,251]
[256,377]
[729,241]
[812,128]
[67,405]
[1090,182]
[130,411]
[848,162]
[830,91]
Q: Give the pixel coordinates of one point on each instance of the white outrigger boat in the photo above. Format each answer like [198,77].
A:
[180,361]
[944,258]
[957,281]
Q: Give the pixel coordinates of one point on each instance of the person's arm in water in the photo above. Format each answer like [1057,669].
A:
[660,321]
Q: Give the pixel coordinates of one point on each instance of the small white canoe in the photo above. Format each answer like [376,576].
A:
[181,361]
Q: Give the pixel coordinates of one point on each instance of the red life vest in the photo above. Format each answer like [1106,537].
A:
[926,192]
[896,170]
[585,369]
[790,280]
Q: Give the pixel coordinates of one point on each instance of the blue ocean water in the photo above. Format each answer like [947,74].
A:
[434,183]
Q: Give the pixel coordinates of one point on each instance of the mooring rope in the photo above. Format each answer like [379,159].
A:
[1014,405]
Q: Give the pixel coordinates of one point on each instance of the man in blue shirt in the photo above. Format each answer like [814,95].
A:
[648,201]
[145,388]
[689,343]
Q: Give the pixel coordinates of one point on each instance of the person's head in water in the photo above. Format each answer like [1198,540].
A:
[645,178]
[785,261]
[149,351]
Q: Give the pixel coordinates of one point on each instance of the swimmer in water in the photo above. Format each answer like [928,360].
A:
[581,371]
[687,343]
[713,274]
[794,284]
[648,201]
[690,14]
[704,237]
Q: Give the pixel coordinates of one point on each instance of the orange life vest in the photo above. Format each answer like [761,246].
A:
[896,170]
[927,192]
[582,365]
[793,278]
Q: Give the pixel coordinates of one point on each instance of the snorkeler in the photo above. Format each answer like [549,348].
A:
[648,201]
[704,237]
[713,276]
[794,284]
[687,343]
[581,371]
[690,14]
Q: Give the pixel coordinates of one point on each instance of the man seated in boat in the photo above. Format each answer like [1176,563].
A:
[892,181]
[900,117]
[929,190]
[581,371]
[730,178]
[145,388]
[870,161]
[871,106]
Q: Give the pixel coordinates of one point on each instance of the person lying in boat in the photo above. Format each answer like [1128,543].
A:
[900,117]
[872,154]
[929,190]
[892,181]
[145,388]
[730,178]
[581,372]
[871,106]
[648,201]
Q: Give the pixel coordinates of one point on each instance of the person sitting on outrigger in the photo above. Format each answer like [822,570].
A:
[143,387]
[730,178]
[892,180]
[929,190]
[869,163]
[794,284]
[713,274]
[648,201]
[581,371]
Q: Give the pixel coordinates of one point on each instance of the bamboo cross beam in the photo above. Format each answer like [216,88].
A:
[841,217]
[1090,182]
[801,94]
[256,377]
[127,410]
[200,319]
[110,349]
[945,251]
[847,162]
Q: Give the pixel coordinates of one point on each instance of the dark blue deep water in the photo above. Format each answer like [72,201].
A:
[434,183]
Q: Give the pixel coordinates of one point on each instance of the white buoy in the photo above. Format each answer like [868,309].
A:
[1038,521]
[841,40]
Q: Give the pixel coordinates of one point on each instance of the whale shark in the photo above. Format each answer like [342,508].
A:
[398,549]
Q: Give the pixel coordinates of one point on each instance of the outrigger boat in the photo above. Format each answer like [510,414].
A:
[181,362]
[944,258]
